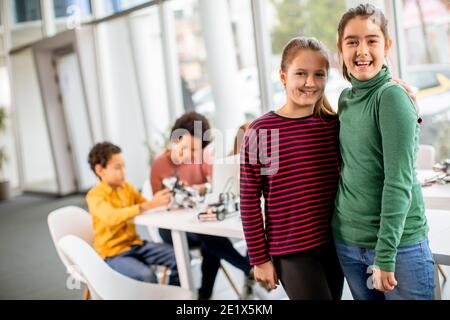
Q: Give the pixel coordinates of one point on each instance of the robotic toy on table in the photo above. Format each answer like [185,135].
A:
[182,196]
[187,197]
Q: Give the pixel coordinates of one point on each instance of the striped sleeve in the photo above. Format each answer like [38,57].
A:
[250,197]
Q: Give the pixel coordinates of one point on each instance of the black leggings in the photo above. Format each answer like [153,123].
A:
[314,274]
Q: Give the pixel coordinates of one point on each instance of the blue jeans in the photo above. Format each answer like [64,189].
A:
[135,263]
[414,272]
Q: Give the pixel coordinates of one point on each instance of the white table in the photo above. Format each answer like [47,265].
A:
[182,221]
[436,196]
[439,237]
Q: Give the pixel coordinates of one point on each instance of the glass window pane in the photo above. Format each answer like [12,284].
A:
[26,22]
[427,56]
[64,8]
[114,6]
[71,14]
[192,57]
[243,34]
[293,18]
[26,10]
[197,93]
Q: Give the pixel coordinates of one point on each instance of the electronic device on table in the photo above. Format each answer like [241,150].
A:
[441,174]
[182,196]
[228,203]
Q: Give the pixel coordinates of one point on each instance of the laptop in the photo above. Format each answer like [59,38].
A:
[225,178]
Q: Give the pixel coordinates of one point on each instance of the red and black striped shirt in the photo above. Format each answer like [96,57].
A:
[294,164]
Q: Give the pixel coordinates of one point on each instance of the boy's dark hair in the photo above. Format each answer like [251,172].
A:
[101,153]
[187,122]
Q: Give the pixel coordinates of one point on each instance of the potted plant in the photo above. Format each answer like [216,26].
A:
[4,183]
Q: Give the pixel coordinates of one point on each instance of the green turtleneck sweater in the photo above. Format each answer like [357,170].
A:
[379,203]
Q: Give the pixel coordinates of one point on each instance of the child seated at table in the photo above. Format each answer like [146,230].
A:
[113,203]
[189,137]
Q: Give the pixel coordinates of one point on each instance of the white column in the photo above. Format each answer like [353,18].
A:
[171,64]
[48,18]
[222,70]
[98,11]
[244,31]
[263,53]
[395,16]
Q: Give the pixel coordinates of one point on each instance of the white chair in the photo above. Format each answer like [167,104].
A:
[77,221]
[71,220]
[425,157]
[107,284]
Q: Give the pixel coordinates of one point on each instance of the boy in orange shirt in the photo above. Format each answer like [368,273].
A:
[113,203]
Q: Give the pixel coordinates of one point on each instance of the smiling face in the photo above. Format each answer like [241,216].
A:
[187,150]
[364,48]
[305,78]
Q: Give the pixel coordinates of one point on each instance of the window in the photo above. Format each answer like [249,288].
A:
[426,31]
[26,21]
[293,18]
[64,8]
[193,64]
[114,6]
[70,14]
[26,10]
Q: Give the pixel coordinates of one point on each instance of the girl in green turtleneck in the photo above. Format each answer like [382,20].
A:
[379,223]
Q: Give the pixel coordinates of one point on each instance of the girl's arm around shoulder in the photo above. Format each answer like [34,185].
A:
[396,103]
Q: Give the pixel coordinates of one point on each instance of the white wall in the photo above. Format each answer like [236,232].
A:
[148,53]
[7,138]
[121,105]
[25,33]
[35,148]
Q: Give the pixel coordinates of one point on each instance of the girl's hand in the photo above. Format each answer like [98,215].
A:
[406,87]
[409,91]
[266,275]
[383,281]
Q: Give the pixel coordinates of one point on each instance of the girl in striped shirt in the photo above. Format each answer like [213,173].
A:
[291,157]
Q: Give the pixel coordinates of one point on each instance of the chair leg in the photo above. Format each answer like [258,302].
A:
[164,275]
[442,272]
[230,280]
[86,293]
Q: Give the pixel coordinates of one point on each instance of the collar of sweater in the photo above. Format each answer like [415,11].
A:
[382,77]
